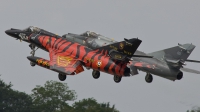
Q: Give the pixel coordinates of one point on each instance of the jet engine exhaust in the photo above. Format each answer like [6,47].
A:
[179,75]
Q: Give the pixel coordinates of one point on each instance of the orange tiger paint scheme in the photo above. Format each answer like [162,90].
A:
[62,47]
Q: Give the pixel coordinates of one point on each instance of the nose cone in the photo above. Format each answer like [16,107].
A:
[13,33]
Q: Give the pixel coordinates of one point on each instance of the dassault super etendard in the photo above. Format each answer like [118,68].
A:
[68,58]
[167,63]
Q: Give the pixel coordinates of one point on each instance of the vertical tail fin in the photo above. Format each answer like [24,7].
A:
[121,50]
[175,54]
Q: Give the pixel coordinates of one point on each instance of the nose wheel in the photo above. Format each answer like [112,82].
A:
[95,74]
[148,78]
[62,77]
[117,78]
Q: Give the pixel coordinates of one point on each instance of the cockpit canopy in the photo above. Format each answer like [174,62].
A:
[32,29]
[96,35]
[89,34]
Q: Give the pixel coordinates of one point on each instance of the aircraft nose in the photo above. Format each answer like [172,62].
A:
[8,32]
[13,33]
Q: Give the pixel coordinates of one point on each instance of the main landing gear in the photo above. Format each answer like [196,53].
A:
[33,48]
[62,77]
[95,74]
[148,78]
[117,78]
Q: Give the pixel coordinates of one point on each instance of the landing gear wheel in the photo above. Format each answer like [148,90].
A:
[117,78]
[62,77]
[148,78]
[32,64]
[95,74]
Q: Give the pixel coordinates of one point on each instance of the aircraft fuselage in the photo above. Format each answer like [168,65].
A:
[148,65]
[91,59]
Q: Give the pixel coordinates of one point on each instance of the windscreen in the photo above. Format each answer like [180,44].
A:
[32,29]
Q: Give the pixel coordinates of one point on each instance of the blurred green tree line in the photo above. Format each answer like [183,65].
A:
[195,109]
[52,97]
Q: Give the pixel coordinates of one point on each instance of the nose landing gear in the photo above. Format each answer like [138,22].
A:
[33,48]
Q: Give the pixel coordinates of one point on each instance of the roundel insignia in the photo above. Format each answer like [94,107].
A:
[121,46]
[99,63]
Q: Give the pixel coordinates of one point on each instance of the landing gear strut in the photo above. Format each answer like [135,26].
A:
[62,77]
[117,78]
[148,78]
[95,74]
[32,46]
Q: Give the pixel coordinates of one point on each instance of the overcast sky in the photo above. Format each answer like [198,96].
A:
[159,24]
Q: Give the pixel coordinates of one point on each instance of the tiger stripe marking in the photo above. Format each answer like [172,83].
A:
[65,48]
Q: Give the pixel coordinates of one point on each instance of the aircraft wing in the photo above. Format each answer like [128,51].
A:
[190,70]
[64,64]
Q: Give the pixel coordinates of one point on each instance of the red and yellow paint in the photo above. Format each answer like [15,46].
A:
[69,52]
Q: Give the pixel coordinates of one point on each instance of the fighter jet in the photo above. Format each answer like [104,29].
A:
[165,63]
[68,58]
[168,63]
